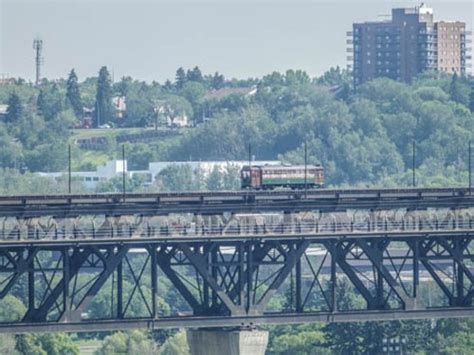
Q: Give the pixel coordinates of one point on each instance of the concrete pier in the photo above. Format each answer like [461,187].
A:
[227,342]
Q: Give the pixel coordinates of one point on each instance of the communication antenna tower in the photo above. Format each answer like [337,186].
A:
[38,47]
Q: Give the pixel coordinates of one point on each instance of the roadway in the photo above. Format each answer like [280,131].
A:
[325,200]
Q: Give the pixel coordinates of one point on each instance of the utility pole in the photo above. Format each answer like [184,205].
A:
[305,167]
[413,165]
[123,172]
[250,156]
[470,167]
[69,169]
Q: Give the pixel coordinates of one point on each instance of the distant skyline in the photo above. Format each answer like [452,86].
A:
[149,40]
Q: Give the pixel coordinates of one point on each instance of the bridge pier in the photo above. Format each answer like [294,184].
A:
[228,342]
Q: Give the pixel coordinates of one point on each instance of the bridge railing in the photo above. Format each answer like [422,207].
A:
[299,228]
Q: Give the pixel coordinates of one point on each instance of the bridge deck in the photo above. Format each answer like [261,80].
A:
[234,201]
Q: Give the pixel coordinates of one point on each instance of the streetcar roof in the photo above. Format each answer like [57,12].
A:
[284,167]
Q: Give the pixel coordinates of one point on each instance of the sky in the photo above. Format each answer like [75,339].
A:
[150,39]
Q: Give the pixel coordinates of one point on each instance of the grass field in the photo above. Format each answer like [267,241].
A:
[99,132]
[88,159]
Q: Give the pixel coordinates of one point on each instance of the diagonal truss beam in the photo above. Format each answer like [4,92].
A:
[339,253]
[22,265]
[40,314]
[110,264]
[199,262]
[375,255]
[164,261]
[291,258]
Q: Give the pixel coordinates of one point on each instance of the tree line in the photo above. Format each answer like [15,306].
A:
[361,138]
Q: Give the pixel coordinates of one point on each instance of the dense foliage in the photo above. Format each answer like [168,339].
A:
[362,138]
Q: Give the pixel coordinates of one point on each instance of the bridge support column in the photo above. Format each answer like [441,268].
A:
[228,342]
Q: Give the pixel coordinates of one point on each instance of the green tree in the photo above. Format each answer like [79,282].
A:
[335,76]
[214,180]
[104,110]
[47,344]
[217,81]
[73,94]
[458,91]
[114,344]
[7,344]
[168,85]
[305,342]
[124,86]
[11,309]
[15,108]
[10,151]
[471,98]
[50,101]
[231,178]
[176,345]
[177,178]
[194,75]
[180,79]
[133,342]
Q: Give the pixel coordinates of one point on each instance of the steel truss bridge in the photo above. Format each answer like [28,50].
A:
[103,262]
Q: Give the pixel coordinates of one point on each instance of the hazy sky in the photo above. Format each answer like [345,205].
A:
[149,40]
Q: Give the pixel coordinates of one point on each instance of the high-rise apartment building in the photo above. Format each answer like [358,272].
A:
[410,43]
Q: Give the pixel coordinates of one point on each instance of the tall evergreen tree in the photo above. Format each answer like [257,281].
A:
[180,78]
[104,110]
[73,94]
[168,85]
[50,101]
[471,98]
[455,89]
[194,75]
[217,81]
[15,108]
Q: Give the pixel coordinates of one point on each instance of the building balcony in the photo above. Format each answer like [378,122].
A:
[428,41]
[429,56]
[428,31]
[428,47]
[349,41]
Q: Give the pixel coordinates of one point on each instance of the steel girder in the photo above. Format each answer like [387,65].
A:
[252,280]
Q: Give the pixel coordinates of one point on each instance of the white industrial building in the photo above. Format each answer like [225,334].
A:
[115,168]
